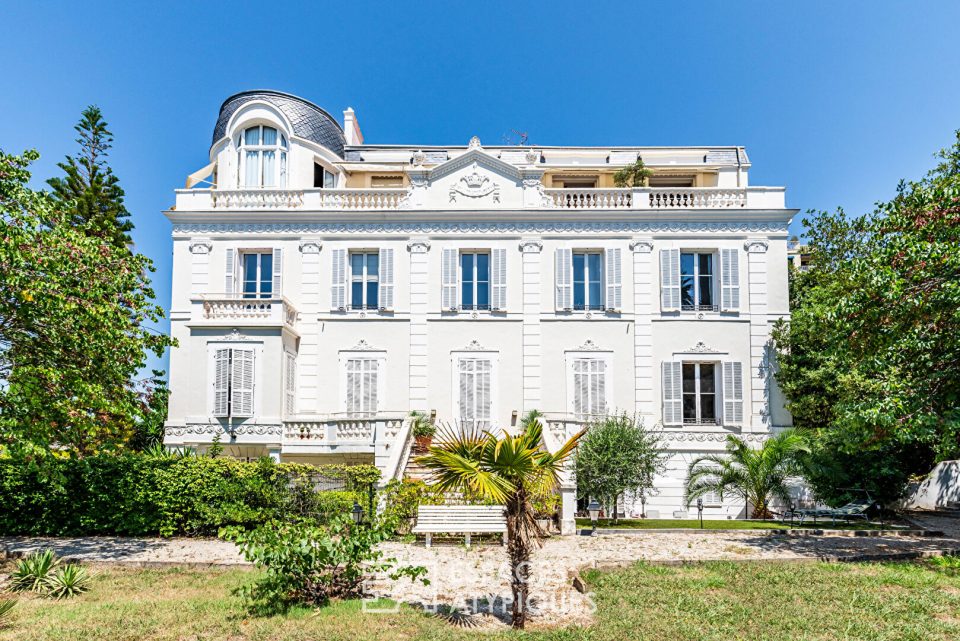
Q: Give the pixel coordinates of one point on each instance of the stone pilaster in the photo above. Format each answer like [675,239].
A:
[643,298]
[532,338]
[419,306]
[308,358]
[757,276]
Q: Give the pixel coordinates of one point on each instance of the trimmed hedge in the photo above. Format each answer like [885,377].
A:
[141,495]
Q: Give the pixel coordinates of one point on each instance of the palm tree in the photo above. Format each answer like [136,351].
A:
[507,469]
[755,475]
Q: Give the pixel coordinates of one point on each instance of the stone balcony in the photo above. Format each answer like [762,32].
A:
[339,433]
[235,310]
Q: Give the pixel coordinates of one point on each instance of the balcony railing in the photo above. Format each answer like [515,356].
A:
[341,429]
[649,198]
[236,308]
[591,198]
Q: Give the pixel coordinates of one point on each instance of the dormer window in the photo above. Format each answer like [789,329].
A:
[263,157]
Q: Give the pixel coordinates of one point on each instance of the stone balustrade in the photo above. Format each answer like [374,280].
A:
[332,430]
[236,308]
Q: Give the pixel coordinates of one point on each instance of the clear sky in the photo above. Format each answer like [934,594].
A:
[835,100]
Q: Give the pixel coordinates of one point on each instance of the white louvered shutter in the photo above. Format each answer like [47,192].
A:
[598,388]
[670,280]
[498,278]
[448,274]
[672,383]
[370,386]
[221,382]
[563,270]
[351,392]
[614,277]
[290,388]
[730,279]
[242,383]
[277,272]
[229,269]
[338,286]
[483,391]
[732,393]
[386,278]
[466,376]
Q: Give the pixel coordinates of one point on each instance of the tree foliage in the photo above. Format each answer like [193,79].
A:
[634,175]
[618,456]
[870,358]
[75,316]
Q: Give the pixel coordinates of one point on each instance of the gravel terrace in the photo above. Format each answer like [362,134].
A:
[477,579]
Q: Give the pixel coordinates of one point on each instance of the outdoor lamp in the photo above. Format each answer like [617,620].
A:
[356,513]
[594,510]
[700,511]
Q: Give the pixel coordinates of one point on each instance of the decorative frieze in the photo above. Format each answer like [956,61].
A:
[642,246]
[200,246]
[420,246]
[756,246]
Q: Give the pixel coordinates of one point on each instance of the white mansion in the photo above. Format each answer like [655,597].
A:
[323,287]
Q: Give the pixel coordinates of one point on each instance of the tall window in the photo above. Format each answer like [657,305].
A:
[696,282]
[364,280]
[587,280]
[361,386]
[589,388]
[475,378]
[474,280]
[257,274]
[263,157]
[700,393]
[233,376]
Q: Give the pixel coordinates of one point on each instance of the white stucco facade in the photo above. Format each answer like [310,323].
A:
[492,281]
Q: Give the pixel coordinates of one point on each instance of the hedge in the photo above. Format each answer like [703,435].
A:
[141,495]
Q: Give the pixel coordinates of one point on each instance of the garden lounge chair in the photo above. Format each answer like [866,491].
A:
[856,509]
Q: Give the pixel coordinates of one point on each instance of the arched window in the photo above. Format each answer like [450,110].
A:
[263,157]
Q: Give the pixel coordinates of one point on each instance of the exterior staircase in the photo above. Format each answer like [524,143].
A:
[413,470]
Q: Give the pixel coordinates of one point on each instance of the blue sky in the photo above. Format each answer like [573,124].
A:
[835,100]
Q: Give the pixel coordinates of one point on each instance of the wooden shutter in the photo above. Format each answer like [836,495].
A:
[241,383]
[498,279]
[732,393]
[730,279]
[351,391]
[338,286]
[466,384]
[386,278]
[221,382]
[598,387]
[614,277]
[370,385]
[277,272]
[672,383]
[229,269]
[448,274]
[670,280]
[290,387]
[563,270]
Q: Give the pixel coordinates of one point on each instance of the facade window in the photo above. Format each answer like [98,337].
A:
[474,377]
[323,178]
[257,274]
[700,393]
[233,380]
[587,280]
[589,388]
[385,182]
[364,280]
[474,280]
[263,157]
[362,386]
[696,282]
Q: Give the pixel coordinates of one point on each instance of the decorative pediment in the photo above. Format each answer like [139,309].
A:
[475,185]
[702,348]
[473,158]
[588,346]
[474,346]
[363,346]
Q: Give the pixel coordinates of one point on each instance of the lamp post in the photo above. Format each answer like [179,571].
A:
[700,511]
[594,510]
[357,513]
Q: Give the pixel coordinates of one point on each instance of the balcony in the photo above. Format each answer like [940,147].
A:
[234,309]
[283,199]
[321,434]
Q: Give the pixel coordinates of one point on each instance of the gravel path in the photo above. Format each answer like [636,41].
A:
[477,579]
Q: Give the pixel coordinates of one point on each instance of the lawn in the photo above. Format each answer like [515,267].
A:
[714,601]
[717,524]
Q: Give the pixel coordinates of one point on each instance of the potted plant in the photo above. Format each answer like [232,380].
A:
[423,430]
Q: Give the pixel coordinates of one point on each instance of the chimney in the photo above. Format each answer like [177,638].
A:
[351,128]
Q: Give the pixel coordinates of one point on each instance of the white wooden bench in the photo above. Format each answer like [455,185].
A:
[460,519]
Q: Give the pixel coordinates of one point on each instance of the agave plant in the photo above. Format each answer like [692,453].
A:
[6,605]
[70,580]
[33,572]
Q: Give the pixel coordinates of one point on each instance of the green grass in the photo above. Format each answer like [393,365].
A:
[716,524]
[707,602]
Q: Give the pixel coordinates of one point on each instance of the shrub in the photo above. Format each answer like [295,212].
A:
[402,498]
[69,580]
[306,564]
[33,573]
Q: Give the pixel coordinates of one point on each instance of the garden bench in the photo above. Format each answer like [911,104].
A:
[460,519]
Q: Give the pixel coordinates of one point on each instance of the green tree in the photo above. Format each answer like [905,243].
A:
[75,311]
[148,432]
[869,359]
[754,475]
[634,175]
[89,189]
[618,456]
[509,470]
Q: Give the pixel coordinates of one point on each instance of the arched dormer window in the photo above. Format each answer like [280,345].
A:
[263,157]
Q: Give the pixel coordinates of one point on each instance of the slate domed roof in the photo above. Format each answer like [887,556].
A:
[309,121]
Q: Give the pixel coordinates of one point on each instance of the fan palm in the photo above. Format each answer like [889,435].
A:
[755,475]
[506,469]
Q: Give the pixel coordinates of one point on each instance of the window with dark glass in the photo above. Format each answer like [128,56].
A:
[474,280]
[322,178]
[696,282]
[364,280]
[700,393]
[587,280]
[257,274]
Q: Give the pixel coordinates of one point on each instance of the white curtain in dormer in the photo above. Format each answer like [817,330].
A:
[252,170]
[269,166]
